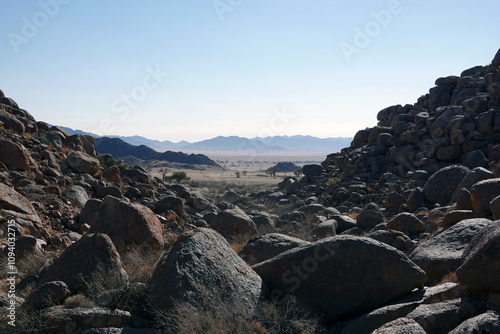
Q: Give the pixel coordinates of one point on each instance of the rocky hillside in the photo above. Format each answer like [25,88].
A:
[120,149]
[396,234]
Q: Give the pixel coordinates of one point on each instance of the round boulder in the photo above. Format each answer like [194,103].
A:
[203,271]
[441,186]
[480,269]
[326,275]
[129,225]
[91,255]
[442,254]
[234,225]
[268,246]
[82,162]
[482,193]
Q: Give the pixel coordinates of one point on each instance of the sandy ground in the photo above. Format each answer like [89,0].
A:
[251,170]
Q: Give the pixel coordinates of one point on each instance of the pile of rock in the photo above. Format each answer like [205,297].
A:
[396,233]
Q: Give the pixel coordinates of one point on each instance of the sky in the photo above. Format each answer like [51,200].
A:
[195,69]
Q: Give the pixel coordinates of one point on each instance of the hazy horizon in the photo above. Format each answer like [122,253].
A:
[195,70]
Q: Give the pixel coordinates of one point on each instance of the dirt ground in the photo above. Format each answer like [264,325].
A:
[241,172]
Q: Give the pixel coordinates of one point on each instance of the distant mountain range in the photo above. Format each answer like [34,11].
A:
[240,144]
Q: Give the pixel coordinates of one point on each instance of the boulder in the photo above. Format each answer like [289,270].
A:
[202,203]
[76,195]
[393,200]
[173,203]
[443,317]
[496,59]
[14,201]
[416,200]
[10,122]
[400,326]
[14,155]
[231,196]
[325,275]
[312,170]
[109,191]
[58,319]
[440,187]
[268,246]
[47,294]
[405,222]
[488,322]
[474,176]
[264,224]
[393,238]
[480,267]
[456,216]
[129,225]
[89,211]
[112,174]
[136,175]
[79,142]
[368,219]
[344,222]
[373,320]
[82,162]
[482,193]
[442,254]
[326,229]
[203,271]
[91,255]
[311,209]
[25,245]
[234,225]
[495,207]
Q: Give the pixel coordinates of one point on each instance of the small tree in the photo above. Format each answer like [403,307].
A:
[163,172]
[298,172]
[273,171]
[238,174]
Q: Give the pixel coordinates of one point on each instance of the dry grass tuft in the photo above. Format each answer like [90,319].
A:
[79,300]
[140,263]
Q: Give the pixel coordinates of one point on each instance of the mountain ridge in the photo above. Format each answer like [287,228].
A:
[295,143]
[120,149]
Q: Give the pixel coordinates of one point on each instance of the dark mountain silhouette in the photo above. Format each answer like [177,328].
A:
[119,149]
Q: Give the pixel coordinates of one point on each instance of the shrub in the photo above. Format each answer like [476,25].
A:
[179,176]
[106,161]
[123,166]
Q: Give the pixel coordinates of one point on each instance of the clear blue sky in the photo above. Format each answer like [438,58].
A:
[234,66]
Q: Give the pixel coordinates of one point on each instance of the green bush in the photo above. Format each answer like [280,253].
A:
[106,161]
[123,166]
[179,176]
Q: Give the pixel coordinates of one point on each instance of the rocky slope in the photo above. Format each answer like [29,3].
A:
[397,233]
